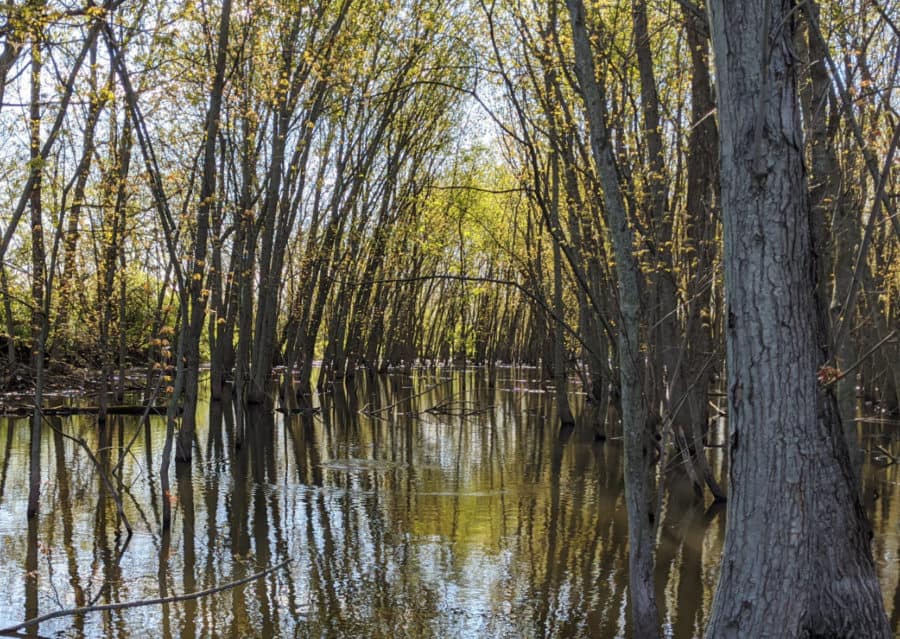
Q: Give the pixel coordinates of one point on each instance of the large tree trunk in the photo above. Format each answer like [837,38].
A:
[796,561]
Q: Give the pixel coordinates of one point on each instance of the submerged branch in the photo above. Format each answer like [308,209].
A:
[375,412]
[458,408]
[142,602]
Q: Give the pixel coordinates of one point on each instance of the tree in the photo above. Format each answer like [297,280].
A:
[199,294]
[37,277]
[639,444]
[796,561]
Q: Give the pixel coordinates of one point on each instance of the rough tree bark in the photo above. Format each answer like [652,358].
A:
[796,561]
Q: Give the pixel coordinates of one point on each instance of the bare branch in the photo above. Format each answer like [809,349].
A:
[143,602]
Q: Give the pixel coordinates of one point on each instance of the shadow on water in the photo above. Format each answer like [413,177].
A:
[431,505]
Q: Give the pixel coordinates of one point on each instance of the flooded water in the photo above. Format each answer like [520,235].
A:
[429,505]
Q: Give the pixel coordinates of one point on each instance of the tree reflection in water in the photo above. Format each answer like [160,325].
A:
[400,522]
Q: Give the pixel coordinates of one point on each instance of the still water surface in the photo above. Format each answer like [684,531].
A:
[484,522]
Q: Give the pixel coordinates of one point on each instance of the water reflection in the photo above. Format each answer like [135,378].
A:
[479,519]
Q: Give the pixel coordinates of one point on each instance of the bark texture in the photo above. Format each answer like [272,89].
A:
[796,561]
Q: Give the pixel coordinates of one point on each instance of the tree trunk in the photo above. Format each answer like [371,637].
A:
[197,293]
[115,195]
[559,343]
[68,278]
[796,561]
[10,320]
[666,382]
[700,236]
[832,212]
[639,441]
[37,282]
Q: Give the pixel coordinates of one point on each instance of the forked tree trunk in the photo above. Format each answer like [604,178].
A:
[796,561]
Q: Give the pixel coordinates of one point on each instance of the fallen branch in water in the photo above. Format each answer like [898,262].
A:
[68,411]
[458,408]
[375,412]
[142,602]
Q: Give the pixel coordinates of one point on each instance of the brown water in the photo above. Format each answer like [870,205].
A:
[408,524]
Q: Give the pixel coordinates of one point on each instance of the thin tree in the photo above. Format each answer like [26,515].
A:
[37,277]
[639,440]
[198,293]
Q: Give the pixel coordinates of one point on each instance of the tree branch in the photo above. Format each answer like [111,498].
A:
[142,602]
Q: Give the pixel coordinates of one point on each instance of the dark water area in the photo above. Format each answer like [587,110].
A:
[479,519]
